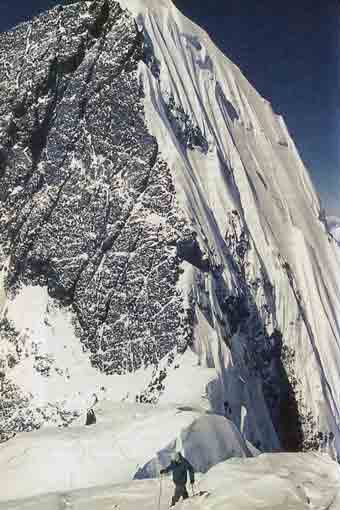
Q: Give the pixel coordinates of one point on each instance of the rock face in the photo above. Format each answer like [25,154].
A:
[87,207]
[161,205]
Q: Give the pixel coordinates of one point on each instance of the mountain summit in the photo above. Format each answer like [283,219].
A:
[160,237]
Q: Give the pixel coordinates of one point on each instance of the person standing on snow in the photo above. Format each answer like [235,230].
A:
[179,467]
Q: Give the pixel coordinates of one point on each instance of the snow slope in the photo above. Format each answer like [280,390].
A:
[287,481]
[129,442]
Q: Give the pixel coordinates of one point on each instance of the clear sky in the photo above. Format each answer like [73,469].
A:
[290,52]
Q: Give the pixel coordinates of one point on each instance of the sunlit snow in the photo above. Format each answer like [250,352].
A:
[114,465]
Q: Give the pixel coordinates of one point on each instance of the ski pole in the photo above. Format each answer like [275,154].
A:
[160,492]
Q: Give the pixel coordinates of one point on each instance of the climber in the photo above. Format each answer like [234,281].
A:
[179,467]
[90,414]
[90,417]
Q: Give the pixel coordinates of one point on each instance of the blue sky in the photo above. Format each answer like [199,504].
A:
[290,52]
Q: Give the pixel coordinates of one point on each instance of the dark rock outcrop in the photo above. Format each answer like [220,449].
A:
[87,208]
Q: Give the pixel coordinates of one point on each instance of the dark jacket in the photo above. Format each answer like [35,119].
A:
[179,471]
[90,417]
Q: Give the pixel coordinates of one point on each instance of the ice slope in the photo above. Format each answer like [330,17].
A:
[129,442]
[250,165]
[280,481]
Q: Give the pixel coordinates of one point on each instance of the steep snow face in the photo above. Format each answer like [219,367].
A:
[268,307]
[160,236]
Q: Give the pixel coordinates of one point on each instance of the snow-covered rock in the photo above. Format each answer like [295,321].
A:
[161,239]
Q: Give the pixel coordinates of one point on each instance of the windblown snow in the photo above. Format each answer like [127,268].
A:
[164,260]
